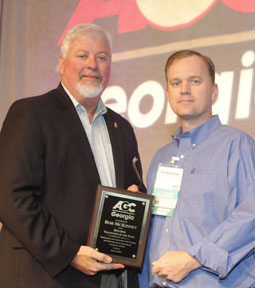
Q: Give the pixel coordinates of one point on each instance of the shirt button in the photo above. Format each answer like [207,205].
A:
[166,230]
[164,283]
[194,145]
[182,156]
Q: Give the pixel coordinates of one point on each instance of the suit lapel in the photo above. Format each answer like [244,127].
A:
[116,137]
[69,117]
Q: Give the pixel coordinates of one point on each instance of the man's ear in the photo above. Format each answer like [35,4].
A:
[215,92]
[61,63]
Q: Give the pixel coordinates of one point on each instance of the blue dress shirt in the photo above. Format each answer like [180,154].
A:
[214,219]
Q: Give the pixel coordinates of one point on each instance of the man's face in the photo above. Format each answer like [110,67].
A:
[190,90]
[86,69]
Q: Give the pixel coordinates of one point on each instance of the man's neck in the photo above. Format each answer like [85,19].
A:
[90,104]
[190,124]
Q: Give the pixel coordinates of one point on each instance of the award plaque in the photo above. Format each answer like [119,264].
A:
[120,224]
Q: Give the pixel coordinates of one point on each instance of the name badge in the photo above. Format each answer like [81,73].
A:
[166,189]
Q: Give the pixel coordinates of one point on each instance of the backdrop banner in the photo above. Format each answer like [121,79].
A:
[144,34]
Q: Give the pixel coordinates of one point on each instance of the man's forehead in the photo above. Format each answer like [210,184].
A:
[191,65]
[90,40]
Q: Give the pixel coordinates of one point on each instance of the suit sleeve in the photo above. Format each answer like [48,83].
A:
[22,176]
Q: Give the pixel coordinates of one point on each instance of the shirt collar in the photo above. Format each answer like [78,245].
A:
[101,108]
[199,133]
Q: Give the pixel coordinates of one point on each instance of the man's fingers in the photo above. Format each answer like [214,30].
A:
[160,272]
[155,267]
[133,188]
[100,257]
[89,261]
[104,262]
[102,267]
[112,266]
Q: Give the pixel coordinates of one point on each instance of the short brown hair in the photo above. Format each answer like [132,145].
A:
[186,53]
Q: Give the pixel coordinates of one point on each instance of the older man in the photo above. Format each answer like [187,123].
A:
[55,149]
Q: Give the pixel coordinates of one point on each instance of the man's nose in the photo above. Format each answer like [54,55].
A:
[185,88]
[91,62]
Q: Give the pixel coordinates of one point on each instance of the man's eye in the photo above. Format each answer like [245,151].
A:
[175,83]
[196,81]
[102,58]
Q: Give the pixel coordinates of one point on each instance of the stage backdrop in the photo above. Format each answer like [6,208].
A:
[145,33]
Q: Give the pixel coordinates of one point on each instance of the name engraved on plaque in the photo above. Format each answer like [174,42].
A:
[120,224]
[119,230]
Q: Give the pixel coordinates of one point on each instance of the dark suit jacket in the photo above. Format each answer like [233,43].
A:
[48,181]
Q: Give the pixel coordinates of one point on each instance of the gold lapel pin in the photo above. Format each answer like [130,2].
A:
[115,125]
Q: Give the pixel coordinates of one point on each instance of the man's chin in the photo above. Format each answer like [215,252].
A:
[91,96]
[90,92]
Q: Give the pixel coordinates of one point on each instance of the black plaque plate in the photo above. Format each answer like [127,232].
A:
[120,224]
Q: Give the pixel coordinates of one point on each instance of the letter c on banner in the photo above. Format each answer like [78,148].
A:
[135,116]
[115,98]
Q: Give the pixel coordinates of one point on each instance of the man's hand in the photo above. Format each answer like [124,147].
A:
[175,265]
[89,261]
[133,188]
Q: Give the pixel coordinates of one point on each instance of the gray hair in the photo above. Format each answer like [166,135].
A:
[85,30]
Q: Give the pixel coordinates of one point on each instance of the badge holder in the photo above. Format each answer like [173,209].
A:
[167,187]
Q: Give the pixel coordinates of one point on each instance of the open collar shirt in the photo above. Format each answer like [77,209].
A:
[99,140]
[214,219]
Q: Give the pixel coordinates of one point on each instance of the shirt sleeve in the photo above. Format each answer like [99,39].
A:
[233,240]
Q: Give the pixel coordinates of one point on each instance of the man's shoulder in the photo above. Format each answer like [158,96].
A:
[234,138]
[40,102]
[232,132]
[36,98]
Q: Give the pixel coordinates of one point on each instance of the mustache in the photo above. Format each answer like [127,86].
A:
[96,75]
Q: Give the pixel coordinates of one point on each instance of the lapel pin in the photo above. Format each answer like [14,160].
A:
[115,125]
